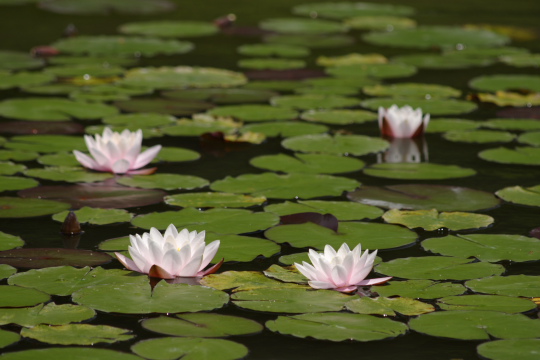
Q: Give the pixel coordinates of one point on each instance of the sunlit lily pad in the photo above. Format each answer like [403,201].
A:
[337,145]
[96,216]
[342,10]
[339,117]
[412,196]
[337,327]
[163,181]
[512,124]
[268,50]
[177,154]
[417,171]
[476,325]
[425,91]
[286,274]
[378,22]
[12,207]
[10,168]
[16,297]
[51,314]
[486,247]
[519,155]
[186,127]
[68,174]
[6,270]
[202,325]
[8,241]
[15,60]
[308,163]
[421,289]
[176,29]
[438,268]
[140,120]
[302,26]
[224,221]
[431,220]
[70,352]
[53,109]
[431,106]
[509,98]
[285,129]
[342,210]
[514,349]
[388,306]
[500,303]
[222,96]
[77,334]
[506,82]
[140,299]
[9,183]
[245,281]
[456,60]
[311,41]
[306,102]
[382,71]
[254,112]
[447,124]
[214,199]
[351,59]
[36,258]
[20,79]
[520,195]
[107,6]
[271,64]
[512,285]
[287,186]
[189,349]
[182,77]
[370,235]
[7,338]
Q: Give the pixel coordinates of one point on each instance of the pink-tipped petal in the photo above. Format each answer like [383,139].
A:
[374,281]
[211,270]
[347,289]
[158,272]
[127,262]
[148,171]
[85,160]
[146,156]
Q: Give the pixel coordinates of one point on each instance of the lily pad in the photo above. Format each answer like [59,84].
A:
[36,258]
[512,124]
[417,171]
[271,64]
[378,22]
[521,60]
[74,71]
[486,247]
[104,60]
[224,221]
[343,10]
[389,306]
[476,325]
[176,154]
[514,349]
[245,281]
[50,314]
[284,129]
[370,235]
[379,71]
[10,168]
[96,216]
[189,349]
[12,207]
[416,197]
[509,98]
[174,29]
[163,106]
[202,325]
[77,334]
[46,143]
[310,41]
[302,26]
[20,79]
[447,124]
[506,304]
[417,90]
[342,210]
[431,106]
[15,60]
[327,90]
[140,120]
[18,155]
[479,136]
[421,289]
[339,117]
[337,327]
[506,82]
[308,163]
[163,181]
[357,145]
[269,50]
[455,60]
[520,195]
[431,220]
[107,93]
[9,183]
[7,338]
[512,285]
[214,200]
[68,174]
[107,6]
[70,352]
[520,155]
[53,109]
[185,127]
[306,102]
[438,268]
[254,112]
[16,297]
[289,186]
[6,271]
[222,96]
[140,299]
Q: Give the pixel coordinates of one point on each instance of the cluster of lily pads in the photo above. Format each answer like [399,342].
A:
[316,113]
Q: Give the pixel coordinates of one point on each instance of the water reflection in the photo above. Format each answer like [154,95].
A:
[405,150]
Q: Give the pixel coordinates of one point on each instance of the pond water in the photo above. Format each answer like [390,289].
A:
[514,24]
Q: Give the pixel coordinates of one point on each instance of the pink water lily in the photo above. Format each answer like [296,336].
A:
[173,254]
[402,122]
[343,270]
[119,153]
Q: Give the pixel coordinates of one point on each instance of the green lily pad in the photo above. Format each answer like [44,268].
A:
[74,71]
[520,155]
[269,50]
[284,129]
[514,349]
[107,93]
[6,271]
[339,117]
[343,10]
[512,285]
[245,281]
[177,154]
[163,181]
[77,334]
[499,303]
[478,136]
[337,327]
[476,325]
[202,325]
[35,258]
[224,221]
[308,163]
[521,60]
[509,98]
[10,168]
[7,338]
[302,26]
[378,22]
[185,127]
[456,60]
[447,124]
[67,173]
[189,349]
[18,155]
[289,186]
[214,200]
[69,353]
[271,64]
[327,90]
[15,296]
[20,79]
[520,195]
[275,85]
[379,71]
[96,216]
[104,60]
[46,143]
[486,247]
[12,207]
[438,268]
[310,41]
[53,109]
[107,6]
[174,29]
[342,210]
[417,171]
[506,82]
[340,82]
[512,124]
[140,299]
[431,106]
[182,77]
[425,91]
[163,106]
[351,59]
[370,235]
[50,314]
[389,306]
[412,196]
[140,120]
[431,220]
[9,183]
[306,102]
[420,289]
[222,96]
[336,145]
[254,112]
[63,159]
[288,275]
[15,60]
[425,37]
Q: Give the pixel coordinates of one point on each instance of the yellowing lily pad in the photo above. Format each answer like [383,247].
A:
[214,200]
[431,220]
[417,171]
[77,334]
[173,29]
[507,98]
[308,163]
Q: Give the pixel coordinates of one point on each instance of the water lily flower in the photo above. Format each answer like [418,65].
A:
[343,270]
[173,254]
[119,153]
[402,122]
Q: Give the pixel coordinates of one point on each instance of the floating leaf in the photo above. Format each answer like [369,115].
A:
[271,64]
[339,117]
[438,268]
[486,247]
[35,258]
[163,181]
[506,82]
[515,349]
[107,6]
[222,95]
[417,171]
[499,303]
[520,155]
[522,60]
[176,29]
[15,60]
[388,306]
[311,41]
[83,70]
[269,50]
[308,163]
[69,353]
[478,136]
[431,106]
[10,168]
[276,85]
[413,196]
[139,121]
[512,124]
[288,275]
[343,10]
[12,207]
[337,327]
[51,314]
[77,334]
[18,155]
[163,106]
[64,159]
[370,235]
[520,195]
[176,154]
[342,210]
[302,26]
[254,112]
[6,270]
[512,285]
[425,91]
[431,220]
[377,22]
[338,145]
[214,200]
[7,338]
[446,124]
[305,102]
[20,79]
[243,280]
[455,60]
[8,183]
[503,98]
[15,296]
[285,129]
[46,143]
[380,71]
[420,289]
[97,216]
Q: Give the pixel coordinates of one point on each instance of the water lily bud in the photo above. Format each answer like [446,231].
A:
[71,225]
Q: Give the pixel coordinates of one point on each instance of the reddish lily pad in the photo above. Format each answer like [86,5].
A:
[105,7]
[37,258]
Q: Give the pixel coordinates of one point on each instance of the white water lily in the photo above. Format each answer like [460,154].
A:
[343,270]
[119,153]
[173,254]
[404,122]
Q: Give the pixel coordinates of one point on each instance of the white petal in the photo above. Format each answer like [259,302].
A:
[209,252]
[146,156]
